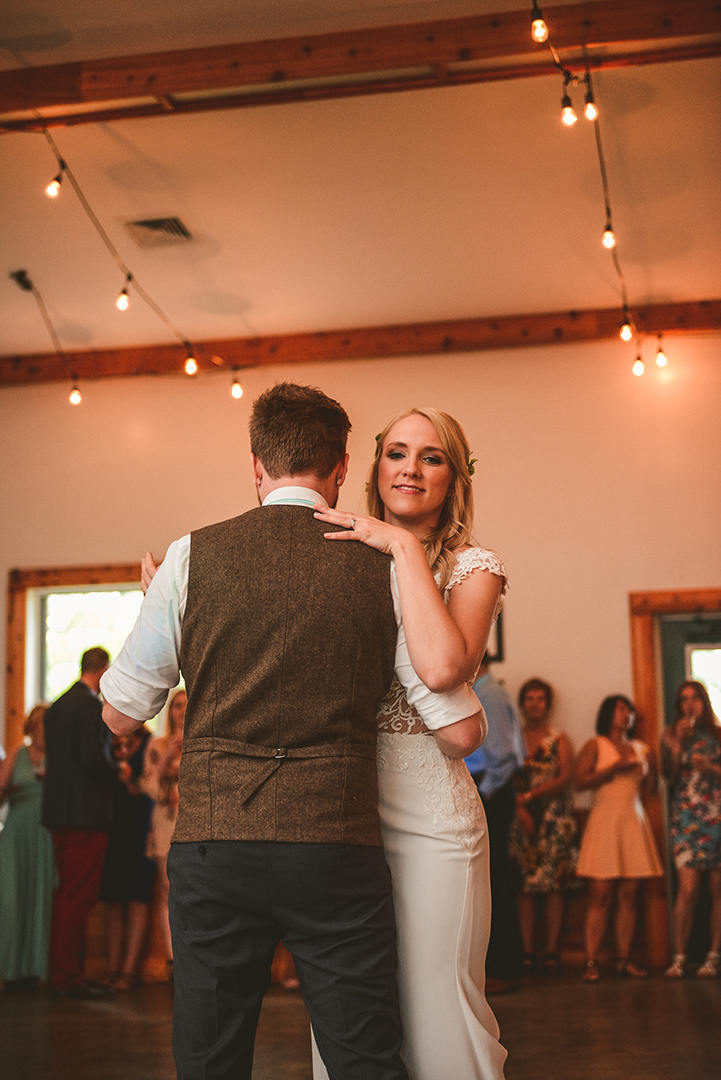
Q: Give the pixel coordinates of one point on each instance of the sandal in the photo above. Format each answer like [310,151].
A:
[530,963]
[108,980]
[591,972]
[710,967]
[551,962]
[677,970]
[628,969]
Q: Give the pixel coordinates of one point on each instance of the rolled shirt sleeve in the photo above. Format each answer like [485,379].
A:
[147,666]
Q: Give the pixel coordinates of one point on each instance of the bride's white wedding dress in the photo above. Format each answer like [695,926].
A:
[436,843]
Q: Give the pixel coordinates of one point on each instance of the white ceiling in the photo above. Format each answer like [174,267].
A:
[414,206]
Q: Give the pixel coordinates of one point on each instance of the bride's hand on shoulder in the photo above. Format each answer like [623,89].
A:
[368,530]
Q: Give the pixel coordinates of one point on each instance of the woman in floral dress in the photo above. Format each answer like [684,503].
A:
[691,764]
[544,836]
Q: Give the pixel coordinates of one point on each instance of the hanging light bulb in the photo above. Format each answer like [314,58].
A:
[626,331]
[638,366]
[539,30]
[191,364]
[609,237]
[236,389]
[568,113]
[123,300]
[661,355]
[590,109]
[75,396]
[53,189]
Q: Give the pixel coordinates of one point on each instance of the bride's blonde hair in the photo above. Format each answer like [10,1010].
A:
[453,530]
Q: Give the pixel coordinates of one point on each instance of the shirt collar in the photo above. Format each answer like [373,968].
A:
[293,496]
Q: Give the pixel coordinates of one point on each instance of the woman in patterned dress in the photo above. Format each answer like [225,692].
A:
[691,765]
[543,839]
[434,829]
[160,782]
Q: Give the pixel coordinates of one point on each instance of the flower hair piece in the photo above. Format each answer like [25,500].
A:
[472,465]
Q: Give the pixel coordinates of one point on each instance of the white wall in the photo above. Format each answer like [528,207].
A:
[591,483]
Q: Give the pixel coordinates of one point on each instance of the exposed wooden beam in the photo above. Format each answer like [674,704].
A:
[415,339]
[418,55]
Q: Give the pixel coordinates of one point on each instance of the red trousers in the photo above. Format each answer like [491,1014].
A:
[79,857]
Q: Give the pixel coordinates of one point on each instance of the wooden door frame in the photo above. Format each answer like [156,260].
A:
[19,581]
[645,610]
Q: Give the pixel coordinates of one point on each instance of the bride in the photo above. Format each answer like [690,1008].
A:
[434,830]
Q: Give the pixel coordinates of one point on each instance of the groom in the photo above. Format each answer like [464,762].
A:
[287,643]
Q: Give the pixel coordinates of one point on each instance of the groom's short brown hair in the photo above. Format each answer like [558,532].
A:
[298,430]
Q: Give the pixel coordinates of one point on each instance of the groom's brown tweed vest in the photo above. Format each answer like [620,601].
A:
[288,646]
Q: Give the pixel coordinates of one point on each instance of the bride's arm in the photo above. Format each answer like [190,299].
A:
[462,738]
[446,644]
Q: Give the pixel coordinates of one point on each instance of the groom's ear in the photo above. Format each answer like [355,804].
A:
[257,469]
[341,471]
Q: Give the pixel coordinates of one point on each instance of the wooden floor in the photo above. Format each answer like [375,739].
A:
[555,1028]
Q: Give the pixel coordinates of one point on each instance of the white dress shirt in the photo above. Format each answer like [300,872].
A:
[148,665]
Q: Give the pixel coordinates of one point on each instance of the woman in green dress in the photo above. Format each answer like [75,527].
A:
[27,867]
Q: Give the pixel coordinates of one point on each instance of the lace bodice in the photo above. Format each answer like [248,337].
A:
[394,713]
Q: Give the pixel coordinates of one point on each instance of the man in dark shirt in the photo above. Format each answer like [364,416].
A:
[77,808]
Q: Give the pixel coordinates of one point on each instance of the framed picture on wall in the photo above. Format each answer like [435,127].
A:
[494,651]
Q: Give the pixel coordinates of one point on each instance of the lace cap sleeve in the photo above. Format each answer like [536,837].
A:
[479,559]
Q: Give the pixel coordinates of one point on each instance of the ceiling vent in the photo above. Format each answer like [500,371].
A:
[158,232]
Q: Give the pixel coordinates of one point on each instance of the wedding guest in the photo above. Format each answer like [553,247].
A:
[544,835]
[691,763]
[617,849]
[128,872]
[160,782]
[493,767]
[78,810]
[27,865]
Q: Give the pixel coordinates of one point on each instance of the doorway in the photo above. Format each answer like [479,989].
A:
[650,613]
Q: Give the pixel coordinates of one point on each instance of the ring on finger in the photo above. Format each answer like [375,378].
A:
[352,523]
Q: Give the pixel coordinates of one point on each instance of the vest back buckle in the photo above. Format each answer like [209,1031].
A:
[281,752]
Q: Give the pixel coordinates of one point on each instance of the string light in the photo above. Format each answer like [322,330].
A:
[53,189]
[236,389]
[539,30]
[568,113]
[191,364]
[609,237]
[626,331]
[661,355]
[638,365]
[590,109]
[75,396]
[123,300]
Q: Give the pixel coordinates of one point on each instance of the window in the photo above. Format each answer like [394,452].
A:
[62,623]
[23,628]
[703,663]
